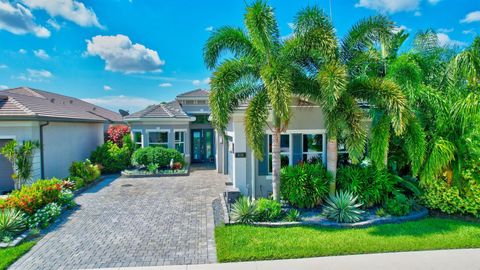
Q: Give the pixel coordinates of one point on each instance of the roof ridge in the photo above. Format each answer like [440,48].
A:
[21,106]
[167,110]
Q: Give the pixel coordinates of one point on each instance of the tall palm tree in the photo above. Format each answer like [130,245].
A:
[343,77]
[258,71]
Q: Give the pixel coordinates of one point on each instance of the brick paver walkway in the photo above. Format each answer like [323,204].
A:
[134,222]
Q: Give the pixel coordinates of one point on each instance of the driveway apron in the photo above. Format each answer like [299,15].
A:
[123,222]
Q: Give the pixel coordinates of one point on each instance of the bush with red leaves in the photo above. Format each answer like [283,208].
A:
[115,134]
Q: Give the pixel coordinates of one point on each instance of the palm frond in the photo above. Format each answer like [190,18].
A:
[379,140]
[415,145]
[277,79]
[355,133]
[332,78]
[439,158]
[262,28]
[226,39]
[255,122]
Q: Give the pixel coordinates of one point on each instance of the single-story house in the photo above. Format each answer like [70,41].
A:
[181,124]
[67,128]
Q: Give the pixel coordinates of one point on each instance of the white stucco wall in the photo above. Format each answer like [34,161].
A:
[23,131]
[68,142]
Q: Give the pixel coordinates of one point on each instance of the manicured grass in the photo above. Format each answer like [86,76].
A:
[10,255]
[246,243]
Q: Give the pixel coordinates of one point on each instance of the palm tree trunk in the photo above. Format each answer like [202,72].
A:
[332,159]
[276,164]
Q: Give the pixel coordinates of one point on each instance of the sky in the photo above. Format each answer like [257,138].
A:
[129,54]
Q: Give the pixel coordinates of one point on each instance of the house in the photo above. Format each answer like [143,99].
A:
[181,124]
[67,128]
[184,124]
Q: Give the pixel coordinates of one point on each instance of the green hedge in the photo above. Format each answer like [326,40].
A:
[156,155]
[111,157]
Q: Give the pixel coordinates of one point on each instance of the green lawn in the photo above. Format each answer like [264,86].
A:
[246,243]
[10,255]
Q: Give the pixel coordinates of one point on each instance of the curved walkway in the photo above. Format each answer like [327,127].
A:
[125,222]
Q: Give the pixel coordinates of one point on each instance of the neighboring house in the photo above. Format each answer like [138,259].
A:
[181,124]
[67,128]
[305,139]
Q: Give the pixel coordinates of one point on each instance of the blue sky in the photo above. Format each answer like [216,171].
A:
[129,54]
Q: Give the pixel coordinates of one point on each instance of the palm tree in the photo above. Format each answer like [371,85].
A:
[259,71]
[343,77]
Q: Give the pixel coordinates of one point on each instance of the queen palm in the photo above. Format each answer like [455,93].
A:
[259,71]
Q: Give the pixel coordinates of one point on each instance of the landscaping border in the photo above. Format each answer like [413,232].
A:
[187,173]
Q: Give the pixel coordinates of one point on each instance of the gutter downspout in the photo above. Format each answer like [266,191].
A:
[42,162]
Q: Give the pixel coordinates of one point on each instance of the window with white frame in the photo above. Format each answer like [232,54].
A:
[180,141]
[137,139]
[284,151]
[158,138]
[343,158]
[312,147]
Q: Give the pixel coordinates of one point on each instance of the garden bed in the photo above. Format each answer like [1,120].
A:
[140,173]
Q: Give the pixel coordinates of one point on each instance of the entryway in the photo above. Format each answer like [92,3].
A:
[203,147]
[6,171]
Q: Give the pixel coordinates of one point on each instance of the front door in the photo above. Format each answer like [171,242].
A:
[202,146]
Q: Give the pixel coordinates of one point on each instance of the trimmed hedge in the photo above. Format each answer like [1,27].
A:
[112,157]
[156,155]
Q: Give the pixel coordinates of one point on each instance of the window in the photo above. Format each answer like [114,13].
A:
[342,152]
[137,139]
[180,141]
[312,147]
[158,138]
[284,151]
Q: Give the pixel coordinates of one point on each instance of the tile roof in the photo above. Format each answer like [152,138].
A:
[24,102]
[171,109]
[195,93]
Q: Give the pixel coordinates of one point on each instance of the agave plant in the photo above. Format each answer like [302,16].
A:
[343,207]
[244,210]
[11,222]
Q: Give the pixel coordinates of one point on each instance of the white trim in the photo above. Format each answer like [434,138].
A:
[160,120]
[289,153]
[184,139]
[253,174]
[158,130]
[8,137]
[230,134]
[323,152]
[141,136]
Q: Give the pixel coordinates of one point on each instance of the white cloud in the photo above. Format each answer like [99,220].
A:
[18,20]
[22,51]
[389,6]
[471,17]
[120,54]
[397,29]
[165,85]
[417,13]
[130,103]
[434,2]
[42,54]
[35,75]
[3,87]
[53,24]
[107,88]
[200,82]
[3,66]
[68,9]
[445,40]
[445,30]
[469,32]
[209,29]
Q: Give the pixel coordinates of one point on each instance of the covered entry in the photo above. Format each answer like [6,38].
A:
[203,148]
[6,171]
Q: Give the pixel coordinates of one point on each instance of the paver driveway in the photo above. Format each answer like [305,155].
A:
[134,222]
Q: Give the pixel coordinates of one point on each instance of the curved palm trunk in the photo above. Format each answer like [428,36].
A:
[276,164]
[332,159]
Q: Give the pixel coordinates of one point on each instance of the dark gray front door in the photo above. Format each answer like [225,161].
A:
[6,171]
[202,146]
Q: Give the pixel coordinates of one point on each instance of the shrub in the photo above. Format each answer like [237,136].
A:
[66,198]
[112,157]
[158,155]
[372,186]
[12,222]
[268,210]
[342,207]
[400,205]
[304,185]
[450,199]
[116,134]
[381,212]
[244,210]
[77,181]
[43,217]
[85,170]
[31,198]
[152,168]
[292,215]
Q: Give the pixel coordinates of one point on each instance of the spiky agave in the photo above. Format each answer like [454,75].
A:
[343,207]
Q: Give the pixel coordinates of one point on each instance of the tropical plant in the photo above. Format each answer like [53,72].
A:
[152,168]
[260,71]
[268,210]
[43,217]
[292,215]
[85,170]
[244,211]
[305,185]
[12,222]
[156,155]
[399,205]
[112,157]
[117,133]
[342,207]
[21,157]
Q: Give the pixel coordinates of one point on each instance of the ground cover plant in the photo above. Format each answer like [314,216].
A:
[11,254]
[246,243]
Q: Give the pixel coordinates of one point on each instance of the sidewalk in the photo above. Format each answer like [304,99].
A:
[461,259]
